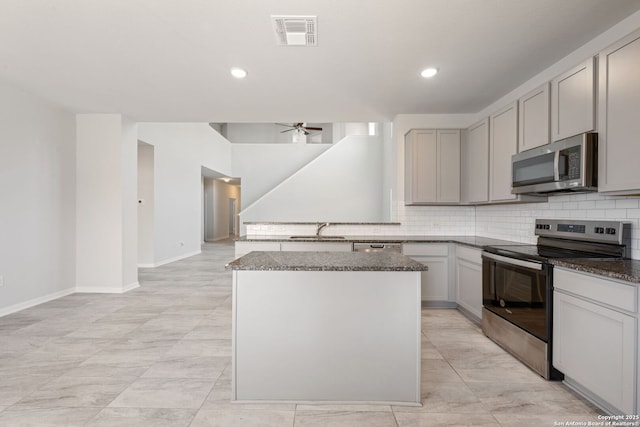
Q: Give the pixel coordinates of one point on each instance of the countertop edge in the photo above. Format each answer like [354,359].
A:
[470,241]
[627,270]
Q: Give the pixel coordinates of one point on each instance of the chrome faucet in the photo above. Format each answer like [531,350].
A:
[320,226]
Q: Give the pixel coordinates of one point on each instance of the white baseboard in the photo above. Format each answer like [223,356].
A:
[146,265]
[131,287]
[170,260]
[36,301]
[106,289]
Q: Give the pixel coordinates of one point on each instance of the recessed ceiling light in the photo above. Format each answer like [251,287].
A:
[238,73]
[429,72]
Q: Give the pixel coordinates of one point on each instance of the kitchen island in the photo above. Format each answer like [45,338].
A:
[326,327]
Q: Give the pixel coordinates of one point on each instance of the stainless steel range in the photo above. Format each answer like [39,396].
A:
[517,284]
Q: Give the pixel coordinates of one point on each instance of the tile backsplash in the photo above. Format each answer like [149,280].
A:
[516,222]
[513,222]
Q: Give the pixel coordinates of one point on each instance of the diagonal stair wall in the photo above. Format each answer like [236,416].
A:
[343,184]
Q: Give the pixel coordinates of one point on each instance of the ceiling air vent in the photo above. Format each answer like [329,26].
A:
[295,30]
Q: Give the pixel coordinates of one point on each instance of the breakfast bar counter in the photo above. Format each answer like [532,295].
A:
[321,327]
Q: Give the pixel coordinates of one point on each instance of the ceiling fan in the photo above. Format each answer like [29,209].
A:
[299,127]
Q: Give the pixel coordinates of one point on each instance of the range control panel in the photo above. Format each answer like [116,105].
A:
[593,231]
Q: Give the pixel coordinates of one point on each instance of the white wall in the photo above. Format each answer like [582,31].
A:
[342,184]
[145,209]
[37,207]
[180,151]
[263,166]
[106,203]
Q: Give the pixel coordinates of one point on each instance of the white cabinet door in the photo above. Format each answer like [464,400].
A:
[533,126]
[243,248]
[317,246]
[503,144]
[435,281]
[594,346]
[474,159]
[432,166]
[573,101]
[619,116]
[448,166]
[469,280]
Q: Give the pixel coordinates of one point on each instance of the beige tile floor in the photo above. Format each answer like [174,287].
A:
[160,356]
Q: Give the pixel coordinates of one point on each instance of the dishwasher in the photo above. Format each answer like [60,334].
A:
[377,247]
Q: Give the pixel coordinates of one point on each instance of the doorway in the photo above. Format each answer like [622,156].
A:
[220,206]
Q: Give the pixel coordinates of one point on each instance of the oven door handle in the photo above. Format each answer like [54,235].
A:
[520,263]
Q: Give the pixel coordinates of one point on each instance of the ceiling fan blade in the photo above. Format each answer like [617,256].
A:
[288,130]
[282,124]
[308,128]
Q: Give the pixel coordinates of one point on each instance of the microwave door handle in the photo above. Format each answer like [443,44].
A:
[556,166]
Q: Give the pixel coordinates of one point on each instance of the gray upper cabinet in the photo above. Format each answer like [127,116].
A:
[534,129]
[474,161]
[573,101]
[619,116]
[432,166]
[448,166]
[503,143]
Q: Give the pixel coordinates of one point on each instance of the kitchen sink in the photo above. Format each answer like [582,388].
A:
[313,236]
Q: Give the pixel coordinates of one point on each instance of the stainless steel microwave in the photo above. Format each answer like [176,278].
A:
[568,165]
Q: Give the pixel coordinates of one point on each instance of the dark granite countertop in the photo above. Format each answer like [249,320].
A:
[626,269]
[473,241]
[325,261]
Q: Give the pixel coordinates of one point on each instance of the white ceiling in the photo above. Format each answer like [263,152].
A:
[169,60]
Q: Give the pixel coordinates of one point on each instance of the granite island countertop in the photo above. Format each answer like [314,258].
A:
[325,261]
[627,270]
[473,241]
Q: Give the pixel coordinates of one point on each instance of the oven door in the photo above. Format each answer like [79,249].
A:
[517,291]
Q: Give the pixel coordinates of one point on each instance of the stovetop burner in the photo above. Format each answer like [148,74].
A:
[543,253]
[561,239]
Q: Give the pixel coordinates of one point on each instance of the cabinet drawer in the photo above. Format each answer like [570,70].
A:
[426,249]
[610,292]
[469,254]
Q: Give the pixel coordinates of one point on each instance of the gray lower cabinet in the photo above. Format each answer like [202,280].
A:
[595,327]
[469,280]
[435,282]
